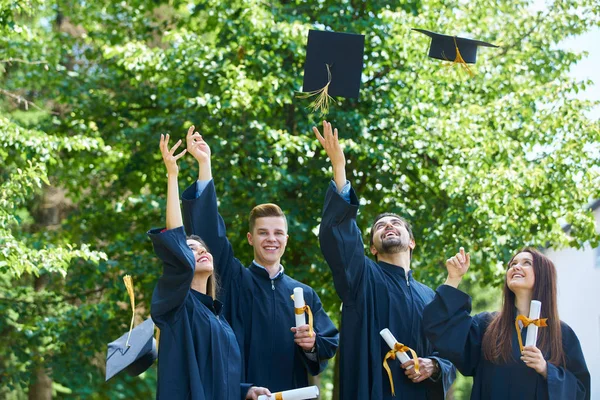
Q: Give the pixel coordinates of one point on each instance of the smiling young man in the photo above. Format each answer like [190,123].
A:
[376,295]
[256,299]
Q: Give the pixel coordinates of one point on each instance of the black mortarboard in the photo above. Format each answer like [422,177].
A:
[453,48]
[333,66]
[137,349]
[134,357]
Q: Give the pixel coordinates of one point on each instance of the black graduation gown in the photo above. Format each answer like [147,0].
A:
[258,308]
[375,296]
[458,336]
[198,357]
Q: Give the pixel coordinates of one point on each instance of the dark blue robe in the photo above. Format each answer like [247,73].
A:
[458,336]
[258,308]
[375,296]
[198,357]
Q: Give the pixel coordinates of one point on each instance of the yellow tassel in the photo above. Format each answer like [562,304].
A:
[157,337]
[129,285]
[321,102]
[459,60]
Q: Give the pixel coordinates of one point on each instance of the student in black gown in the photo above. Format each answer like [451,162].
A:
[199,357]
[486,345]
[376,295]
[257,300]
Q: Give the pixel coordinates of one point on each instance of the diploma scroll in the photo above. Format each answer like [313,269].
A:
[299,305]
[305,393]
[532,330]
[391,341]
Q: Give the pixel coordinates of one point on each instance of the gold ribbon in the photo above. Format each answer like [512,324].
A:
[392,354]
[302,310]
[540,322]
[129,286]
[323,98]
[278,396]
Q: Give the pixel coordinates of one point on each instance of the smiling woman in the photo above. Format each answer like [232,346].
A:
[185,309]
[489,345]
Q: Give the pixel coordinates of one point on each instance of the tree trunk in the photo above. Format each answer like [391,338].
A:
[47,217]
[40,387]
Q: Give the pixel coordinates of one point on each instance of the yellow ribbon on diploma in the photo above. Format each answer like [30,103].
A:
[392,354]
[540,322]
[302,310]
[278,396]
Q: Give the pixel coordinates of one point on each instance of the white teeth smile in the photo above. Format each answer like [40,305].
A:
[390,234]
[202,259]
[517,276]
[270,248]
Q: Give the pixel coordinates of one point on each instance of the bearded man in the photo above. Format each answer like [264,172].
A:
[376,295]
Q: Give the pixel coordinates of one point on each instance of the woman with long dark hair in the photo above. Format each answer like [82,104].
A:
[198,357]
[486,346]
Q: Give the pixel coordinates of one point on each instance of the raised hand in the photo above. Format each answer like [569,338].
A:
[330,142]
[457,266]
[168,156]
[197,147]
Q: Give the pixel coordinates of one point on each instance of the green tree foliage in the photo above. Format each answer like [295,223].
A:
[491,162]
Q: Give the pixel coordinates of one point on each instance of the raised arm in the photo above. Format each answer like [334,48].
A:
[448,323]
[174,218]
[170,244]
[201,216]
[331,144]
[339,236]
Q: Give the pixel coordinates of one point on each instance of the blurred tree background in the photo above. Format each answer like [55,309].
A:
[491,163]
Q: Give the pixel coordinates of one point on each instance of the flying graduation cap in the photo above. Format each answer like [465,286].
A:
[452,48]
[333,67]
[134,351]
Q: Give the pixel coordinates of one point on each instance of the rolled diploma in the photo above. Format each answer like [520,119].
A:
[535,309]
[299,303]
[309,392]
[391,341]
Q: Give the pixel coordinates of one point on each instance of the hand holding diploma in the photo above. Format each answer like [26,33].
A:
[257,392]
[304,335]
[310,392]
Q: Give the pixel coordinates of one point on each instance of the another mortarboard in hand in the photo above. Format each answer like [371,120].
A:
[136,350]
[333,67]
[456,49]
[133,354]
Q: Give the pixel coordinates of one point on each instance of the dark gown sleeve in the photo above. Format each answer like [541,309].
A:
[452,331]
[341,243]
[201,217]
[178,270]
[439,388]
[244,387]
[327,337]
[573,380]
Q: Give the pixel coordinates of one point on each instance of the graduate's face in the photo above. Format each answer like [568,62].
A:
[520,274]
[390,236]
[269,238]
[204,260]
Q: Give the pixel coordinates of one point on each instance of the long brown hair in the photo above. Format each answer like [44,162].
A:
[497,340]
[212,285]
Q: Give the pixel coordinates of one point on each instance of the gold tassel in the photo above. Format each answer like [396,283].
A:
[459,60]
[129,285]
[321,102]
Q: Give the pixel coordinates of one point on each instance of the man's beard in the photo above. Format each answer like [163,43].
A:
[393,245]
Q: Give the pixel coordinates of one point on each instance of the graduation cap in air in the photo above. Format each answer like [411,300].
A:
[333,67]
[136,350]
[452,48]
